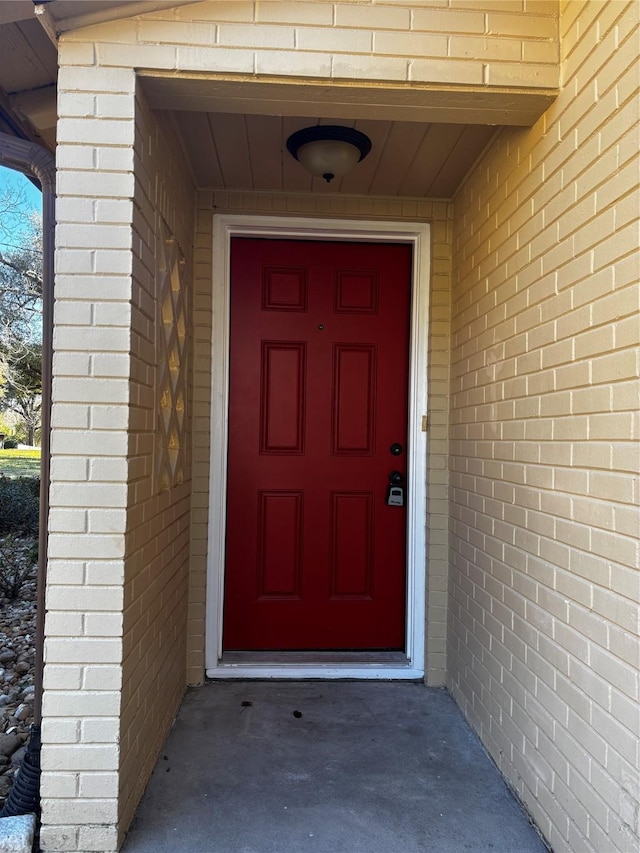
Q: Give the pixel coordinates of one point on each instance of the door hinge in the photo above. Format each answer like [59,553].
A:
[425,423]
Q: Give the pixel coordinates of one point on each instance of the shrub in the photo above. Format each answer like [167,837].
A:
[11,444]
[17,559]
[19,505]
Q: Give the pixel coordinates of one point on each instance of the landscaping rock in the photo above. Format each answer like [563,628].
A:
[22,712]
[16,833]
[9,744]
[17,657]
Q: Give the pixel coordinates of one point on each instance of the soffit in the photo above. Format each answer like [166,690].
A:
[28,63]
[29,59]
[407,159]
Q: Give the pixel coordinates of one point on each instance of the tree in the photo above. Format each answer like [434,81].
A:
[22,390]
[20,272]
[20,310]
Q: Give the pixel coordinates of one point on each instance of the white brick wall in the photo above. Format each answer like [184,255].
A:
[117,584]
[156,569]
[83,651]
[545,584]
[483,43]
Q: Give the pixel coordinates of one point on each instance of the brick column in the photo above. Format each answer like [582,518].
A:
[89,472]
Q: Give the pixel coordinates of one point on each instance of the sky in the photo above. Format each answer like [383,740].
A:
[10,179]
[11,226]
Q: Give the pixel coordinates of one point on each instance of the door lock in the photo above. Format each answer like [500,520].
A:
[395,489]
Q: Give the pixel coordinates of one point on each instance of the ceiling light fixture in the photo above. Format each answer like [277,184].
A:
[327,150]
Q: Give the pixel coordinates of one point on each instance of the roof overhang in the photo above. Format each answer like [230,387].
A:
[62,16]
[28,57]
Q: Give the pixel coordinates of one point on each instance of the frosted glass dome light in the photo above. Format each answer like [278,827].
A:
[328,150]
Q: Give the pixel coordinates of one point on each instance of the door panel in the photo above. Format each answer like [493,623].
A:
[353,399]
[315,559]
[282,397]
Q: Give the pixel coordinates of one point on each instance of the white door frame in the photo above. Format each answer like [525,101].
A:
[418,236]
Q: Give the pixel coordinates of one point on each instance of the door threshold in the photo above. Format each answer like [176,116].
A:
[308,664]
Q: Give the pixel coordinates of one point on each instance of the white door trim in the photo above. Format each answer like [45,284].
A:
[418,235]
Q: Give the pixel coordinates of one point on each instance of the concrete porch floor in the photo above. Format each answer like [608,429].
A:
[326,767]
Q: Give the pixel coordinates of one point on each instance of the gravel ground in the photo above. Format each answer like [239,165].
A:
[17,655]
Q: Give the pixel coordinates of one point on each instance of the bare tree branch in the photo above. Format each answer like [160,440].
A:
[21,311]
[31,275]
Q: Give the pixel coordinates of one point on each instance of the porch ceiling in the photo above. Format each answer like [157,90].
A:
[248,151]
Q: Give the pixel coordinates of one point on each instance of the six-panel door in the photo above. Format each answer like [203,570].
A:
[315,558]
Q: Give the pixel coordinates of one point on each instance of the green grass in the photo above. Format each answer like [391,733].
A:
[20,463]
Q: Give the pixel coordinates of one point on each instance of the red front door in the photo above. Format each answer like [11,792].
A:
[315,557]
